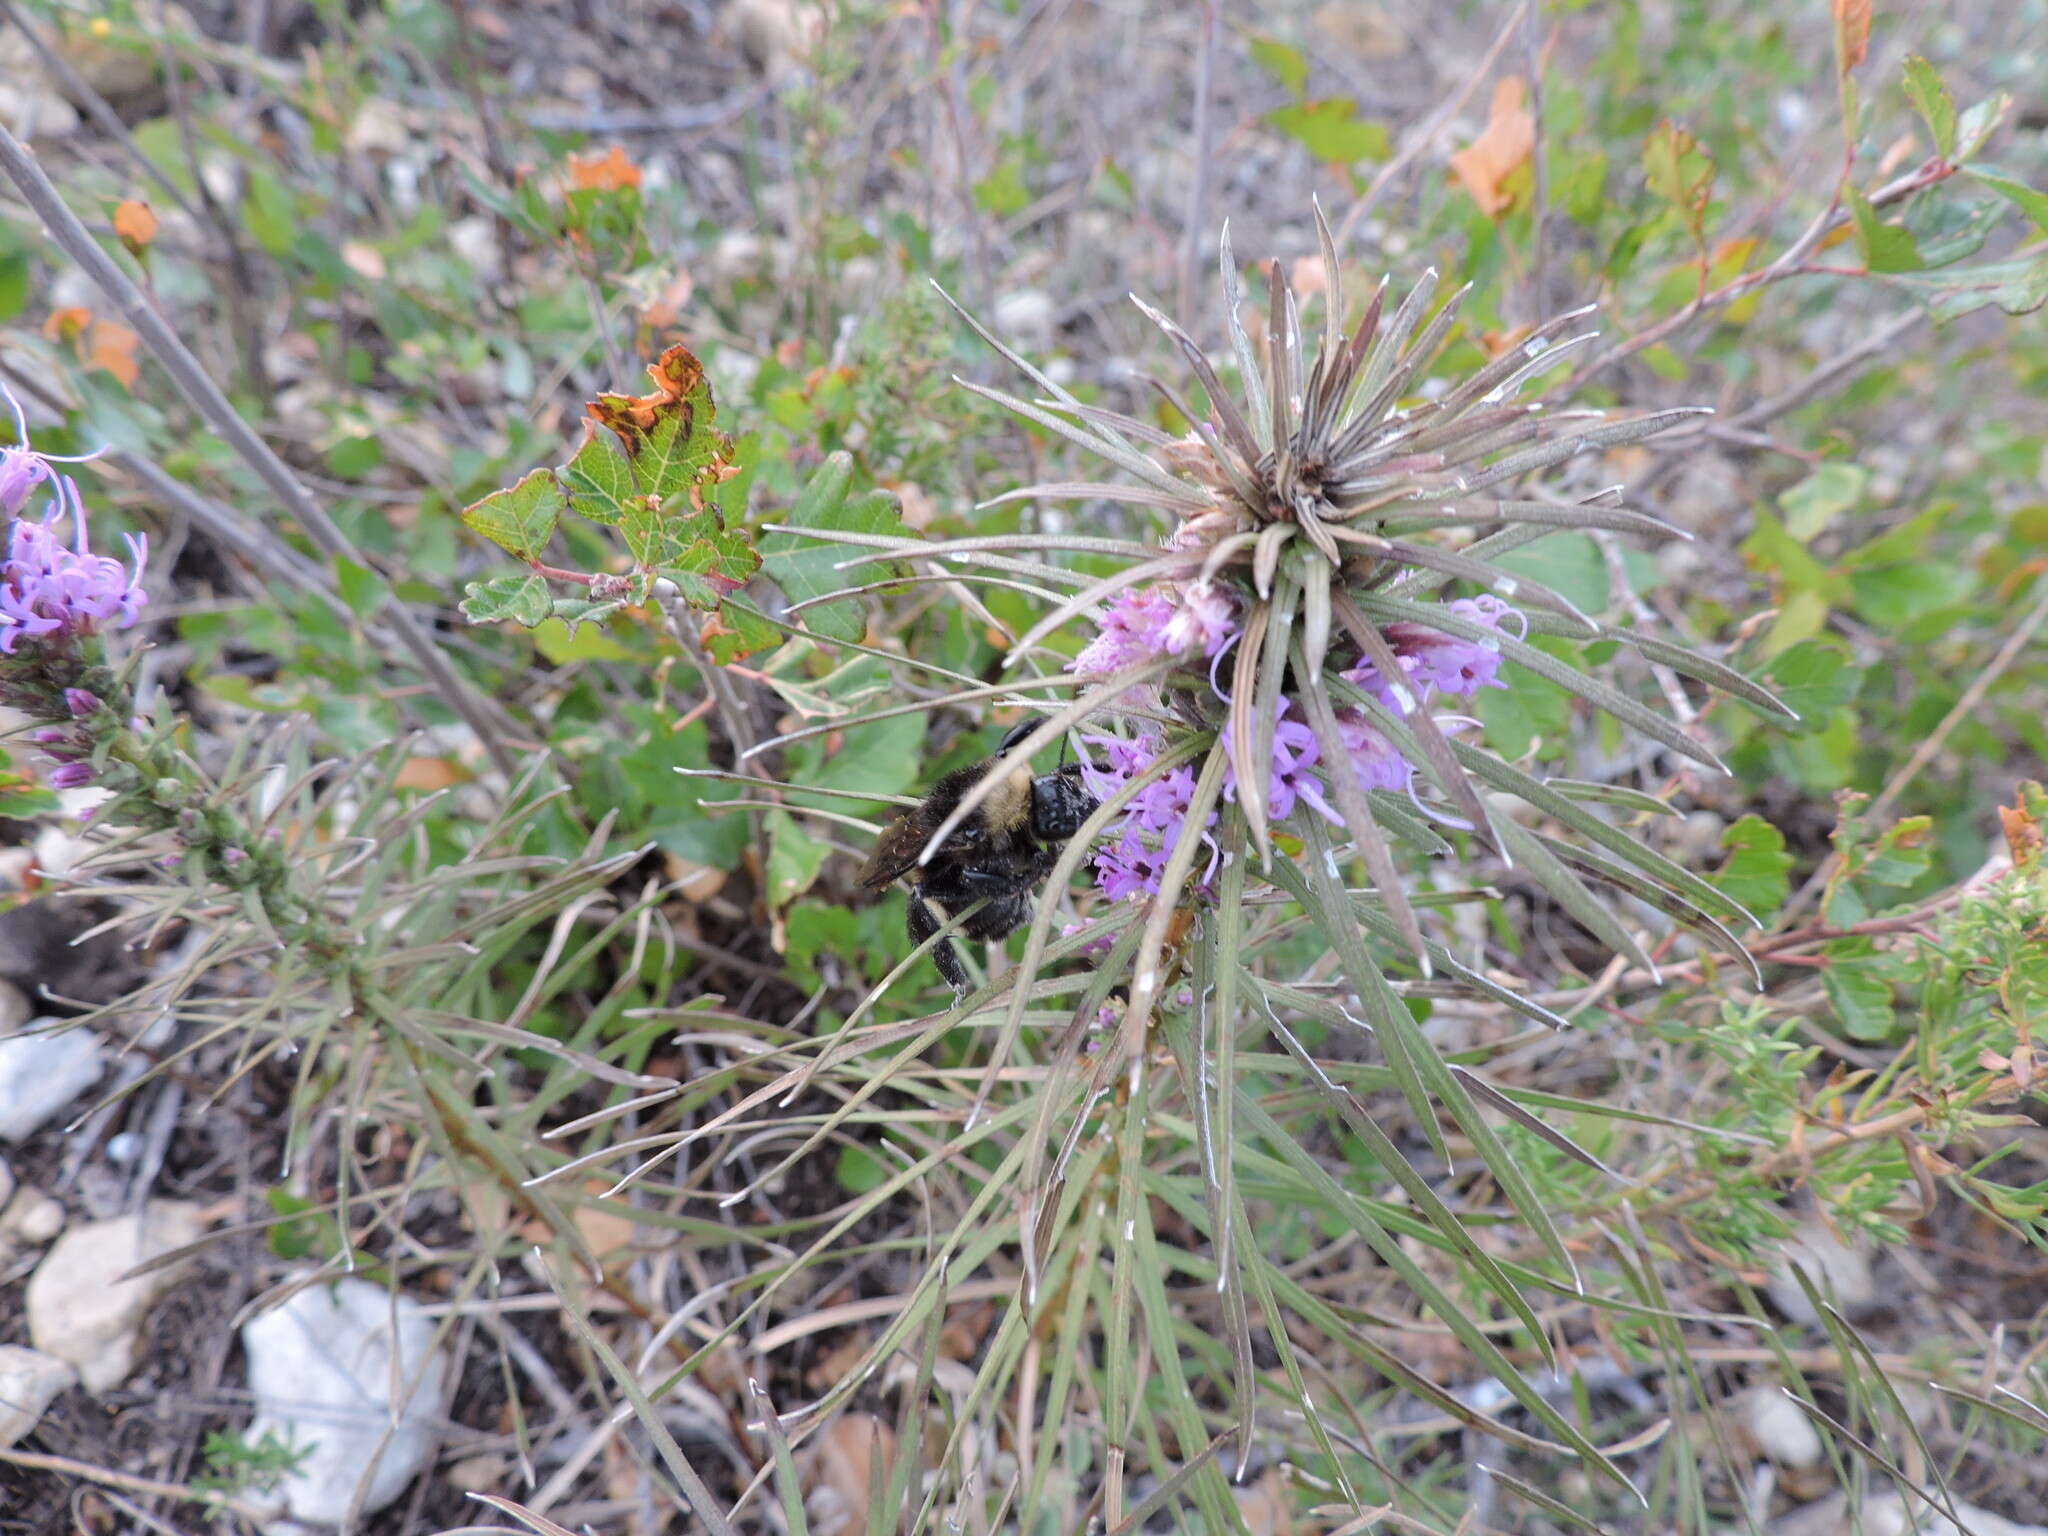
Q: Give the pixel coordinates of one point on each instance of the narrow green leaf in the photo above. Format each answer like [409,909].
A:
[2029,200]
[1930,96]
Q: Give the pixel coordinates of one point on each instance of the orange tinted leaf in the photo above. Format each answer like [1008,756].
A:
[430,773]
[2022,824]
[67,324]
[1506,145]
[136,225]
[1852,32]
[112,347]
[608,172]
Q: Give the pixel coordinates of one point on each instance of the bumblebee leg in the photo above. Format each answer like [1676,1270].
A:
[922,922]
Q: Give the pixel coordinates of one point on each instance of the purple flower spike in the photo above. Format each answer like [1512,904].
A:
[22,469]
[1430,658]
[1160,620]
[53,592]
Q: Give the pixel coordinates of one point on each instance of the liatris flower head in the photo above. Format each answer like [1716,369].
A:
[1297,637]
[22,468]
[53,592]
[57,596]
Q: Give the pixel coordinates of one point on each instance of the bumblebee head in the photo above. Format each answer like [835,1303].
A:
[1059,803]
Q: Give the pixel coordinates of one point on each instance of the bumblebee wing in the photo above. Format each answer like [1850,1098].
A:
[896,852]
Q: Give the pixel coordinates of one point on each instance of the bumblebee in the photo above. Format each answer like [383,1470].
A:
[997,856]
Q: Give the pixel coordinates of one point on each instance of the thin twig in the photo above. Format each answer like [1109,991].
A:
[488,722]
[1193,239]
[1539,192]
[65,1466]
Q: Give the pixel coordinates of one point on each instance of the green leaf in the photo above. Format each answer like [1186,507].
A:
[1331,131]
[1758,872]
[21,797]
[711,561]
[362,590]
[1681,173]
[1860,993]
[14,284]
[1285,63]
[1570,564]
[1580,187]
[355,456]
[599,480]
[794,859]
[1902,855]
[2018,286]
[522,599]
[2029,200]
[860,1172]
[1003,191]
[1979,123]
[738,631]
[1815,679]
[1771,548]
[1894,597]
[1822,496]
[267,213]
[1930,96]
[1885,247]
[521,519]
[574,612]
[806,569]
[562,642]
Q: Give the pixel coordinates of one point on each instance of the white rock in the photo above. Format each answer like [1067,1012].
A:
[41,1074]
[1781,1431]
[322,1371]
[31,1218]
[1844,1272]
[1026,318]
[29,1383]
[1885,1515]
[79,1311]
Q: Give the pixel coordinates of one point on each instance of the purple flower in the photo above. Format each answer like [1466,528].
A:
[1164,619]
[51,591]
[1144,838]
[1429,658]
[81,702]
[22,469]
[71,776]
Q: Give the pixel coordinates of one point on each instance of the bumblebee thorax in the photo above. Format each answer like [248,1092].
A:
[1009,804]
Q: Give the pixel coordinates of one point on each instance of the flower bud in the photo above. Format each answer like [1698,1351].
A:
[71,776]
[80,702]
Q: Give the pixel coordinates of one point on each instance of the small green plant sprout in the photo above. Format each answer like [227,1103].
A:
[235,1465]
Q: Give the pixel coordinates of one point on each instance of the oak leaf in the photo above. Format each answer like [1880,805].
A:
[1503,148]
[136,224]
[608,172]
